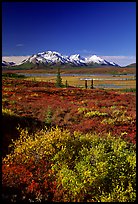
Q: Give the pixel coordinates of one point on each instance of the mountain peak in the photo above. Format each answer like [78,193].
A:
[53,58]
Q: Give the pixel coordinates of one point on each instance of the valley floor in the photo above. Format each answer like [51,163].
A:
[36,105]
[72,108]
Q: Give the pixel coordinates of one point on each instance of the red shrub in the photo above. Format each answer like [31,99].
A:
[32,181]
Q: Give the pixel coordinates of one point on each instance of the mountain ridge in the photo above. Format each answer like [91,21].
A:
[131,65]
[52,58]
[5,63]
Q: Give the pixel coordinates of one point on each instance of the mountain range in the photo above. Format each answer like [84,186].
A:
[55,58]
[4,63]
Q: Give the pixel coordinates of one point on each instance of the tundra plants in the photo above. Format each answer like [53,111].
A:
[118,117]
[72,108]
[55,165]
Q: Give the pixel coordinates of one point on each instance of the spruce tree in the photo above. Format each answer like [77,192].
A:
[66,84]
[59,79]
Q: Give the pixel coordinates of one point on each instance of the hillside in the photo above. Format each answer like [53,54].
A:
[133,65]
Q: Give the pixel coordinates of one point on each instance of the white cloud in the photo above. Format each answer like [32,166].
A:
[121,60]
[16,59]
[85,51]
[19,45]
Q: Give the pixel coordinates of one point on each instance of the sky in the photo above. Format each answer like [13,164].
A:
[107,29]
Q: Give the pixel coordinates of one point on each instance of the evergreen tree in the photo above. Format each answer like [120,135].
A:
[66,85]
[59,79]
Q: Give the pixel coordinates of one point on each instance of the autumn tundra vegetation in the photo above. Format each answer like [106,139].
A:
[62,143]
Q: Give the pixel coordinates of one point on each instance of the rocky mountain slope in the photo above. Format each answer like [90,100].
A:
[55,58]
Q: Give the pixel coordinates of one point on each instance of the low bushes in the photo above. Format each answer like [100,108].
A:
[55,165]
[13,75]
[72,108]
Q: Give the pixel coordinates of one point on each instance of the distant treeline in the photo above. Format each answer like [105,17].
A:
[13,75]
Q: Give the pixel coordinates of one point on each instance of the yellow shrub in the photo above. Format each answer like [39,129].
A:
[7,112]
[44,143]
[84,166]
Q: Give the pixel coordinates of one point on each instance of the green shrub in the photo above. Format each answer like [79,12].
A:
[117,117]
[9,112]
[82,110]
[129,90]
[13,75]
[48,116]
[79,167]
[98,169]
[95,113]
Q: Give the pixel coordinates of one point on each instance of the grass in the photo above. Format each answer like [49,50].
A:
[20,67]
[129,90]
[73,70]
[75,80]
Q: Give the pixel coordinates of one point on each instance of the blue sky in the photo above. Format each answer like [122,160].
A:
[102,28]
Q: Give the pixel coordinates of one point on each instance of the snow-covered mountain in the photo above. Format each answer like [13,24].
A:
[98,60]
[114,64]
[52,58]
[55,58]
[4,63]
[77,59]
[48,57]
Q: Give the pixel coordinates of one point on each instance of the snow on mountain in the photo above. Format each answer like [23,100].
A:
[96,59]
[77,59]
[114,64]
[4,63]
[48,57]
[53,57]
